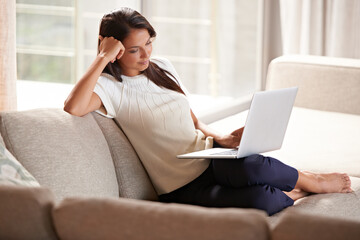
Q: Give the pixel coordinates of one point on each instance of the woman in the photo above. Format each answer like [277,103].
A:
[145,96]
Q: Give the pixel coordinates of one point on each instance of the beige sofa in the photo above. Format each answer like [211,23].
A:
[85,164]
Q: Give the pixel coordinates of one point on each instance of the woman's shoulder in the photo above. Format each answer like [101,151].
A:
[107,77]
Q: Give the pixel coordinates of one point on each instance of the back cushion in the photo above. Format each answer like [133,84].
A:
[133,180]
[68,154]
[325,83]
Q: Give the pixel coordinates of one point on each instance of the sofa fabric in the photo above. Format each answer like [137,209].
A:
[25,213]
[296,225]
[88,219]
[65,153]
[322,141]
[329,84]
[132,178]
[333,205]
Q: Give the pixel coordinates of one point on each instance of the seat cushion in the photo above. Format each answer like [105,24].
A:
[96,218]
[322,142]
[26,213]
[297,226]
[343,206]
[65,153]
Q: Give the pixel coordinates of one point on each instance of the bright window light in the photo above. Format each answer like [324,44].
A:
[212,44]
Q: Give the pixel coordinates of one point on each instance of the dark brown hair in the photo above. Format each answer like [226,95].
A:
[118,24]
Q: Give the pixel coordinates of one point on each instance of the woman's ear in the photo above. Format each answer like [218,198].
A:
[101,38]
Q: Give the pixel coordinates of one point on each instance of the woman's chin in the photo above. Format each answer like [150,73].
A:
[144,67]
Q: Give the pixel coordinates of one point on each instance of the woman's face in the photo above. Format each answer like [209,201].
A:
[138,48]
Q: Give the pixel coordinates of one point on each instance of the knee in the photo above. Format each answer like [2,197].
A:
[259,198]
[253,165]
[269,199]
[255,159]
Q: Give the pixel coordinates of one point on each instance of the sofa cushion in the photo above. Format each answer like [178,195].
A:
[297,226]
[12,172]
[88,219]
[325,83]
[132,178]
[343,206]
[25,213]
[322,142]
[68,154]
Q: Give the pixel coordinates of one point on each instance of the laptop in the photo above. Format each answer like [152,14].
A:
[264,129]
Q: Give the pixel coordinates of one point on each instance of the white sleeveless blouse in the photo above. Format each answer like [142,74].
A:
[158,123]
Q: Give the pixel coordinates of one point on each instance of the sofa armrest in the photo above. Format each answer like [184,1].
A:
[25,213]
[325,83]
[295,225]
[106,218]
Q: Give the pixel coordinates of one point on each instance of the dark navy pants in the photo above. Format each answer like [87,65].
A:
[251,182]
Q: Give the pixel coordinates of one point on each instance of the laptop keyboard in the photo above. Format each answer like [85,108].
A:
[229,152]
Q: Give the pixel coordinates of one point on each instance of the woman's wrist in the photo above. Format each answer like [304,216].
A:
[103,57]
[218,138]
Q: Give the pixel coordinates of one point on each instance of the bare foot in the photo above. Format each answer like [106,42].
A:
[324,182]
[296,194]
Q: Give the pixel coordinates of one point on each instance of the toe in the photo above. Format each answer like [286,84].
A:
[349,190]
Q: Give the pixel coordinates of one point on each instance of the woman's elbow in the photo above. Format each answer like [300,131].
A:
[73,111]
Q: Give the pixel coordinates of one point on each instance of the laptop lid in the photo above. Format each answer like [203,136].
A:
[265,126]
[267,121]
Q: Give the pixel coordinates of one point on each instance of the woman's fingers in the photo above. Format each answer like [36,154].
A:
[121,52]
[238,132]
[111,47]
[230,141]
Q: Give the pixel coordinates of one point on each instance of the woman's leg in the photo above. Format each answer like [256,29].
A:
[204,191]
[296,194]
[263,197]
[257,169]
[323,182]
[309,182]
[254,170]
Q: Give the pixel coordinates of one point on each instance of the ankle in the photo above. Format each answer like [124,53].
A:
[308,182]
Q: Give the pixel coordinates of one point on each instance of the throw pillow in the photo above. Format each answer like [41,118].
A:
[1,140]
[12,172]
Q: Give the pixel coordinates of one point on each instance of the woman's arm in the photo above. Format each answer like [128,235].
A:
[82,98]
[225,140]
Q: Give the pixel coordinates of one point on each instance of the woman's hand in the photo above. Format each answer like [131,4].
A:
[231,140]
[111,48]
[82,98]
